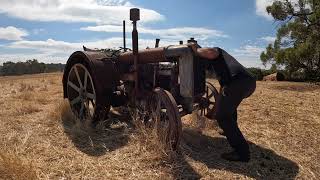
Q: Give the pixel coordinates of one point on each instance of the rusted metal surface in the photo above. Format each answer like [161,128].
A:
[152,55]
[103,71]
[155,55]
[177,51]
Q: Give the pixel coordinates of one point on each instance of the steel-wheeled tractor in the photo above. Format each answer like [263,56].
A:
[162,84]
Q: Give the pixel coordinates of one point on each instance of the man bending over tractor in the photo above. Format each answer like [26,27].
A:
[236,84]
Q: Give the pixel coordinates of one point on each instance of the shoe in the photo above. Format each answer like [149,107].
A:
[234,156]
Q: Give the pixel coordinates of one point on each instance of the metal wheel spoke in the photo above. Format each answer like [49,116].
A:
[75,100]
[78,77]
[91,96]
[73,86]
[211,95]
[85,79]
[81,110]
[207,92]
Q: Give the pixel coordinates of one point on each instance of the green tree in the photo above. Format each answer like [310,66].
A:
[8,68]
[256,72]
[297,46]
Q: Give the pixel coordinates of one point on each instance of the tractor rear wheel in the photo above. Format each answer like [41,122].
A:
[82,95]
[207,104]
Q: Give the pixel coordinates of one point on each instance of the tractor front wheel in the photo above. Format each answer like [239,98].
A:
[167,119]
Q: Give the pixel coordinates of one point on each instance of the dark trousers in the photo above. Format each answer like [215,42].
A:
[226,111]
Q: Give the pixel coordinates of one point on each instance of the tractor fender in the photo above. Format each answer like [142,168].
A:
[102,69]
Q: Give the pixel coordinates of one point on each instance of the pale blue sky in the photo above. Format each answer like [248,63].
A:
[51,30]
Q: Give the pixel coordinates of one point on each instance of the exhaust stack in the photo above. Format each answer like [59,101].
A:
[124,36]
[134,17]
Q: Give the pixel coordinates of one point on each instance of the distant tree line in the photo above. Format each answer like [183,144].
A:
[260,73]
[29,67]
[287,75]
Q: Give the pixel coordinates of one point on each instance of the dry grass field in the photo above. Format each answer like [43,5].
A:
[39,138]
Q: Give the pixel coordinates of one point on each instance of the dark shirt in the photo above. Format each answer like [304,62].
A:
[227,68]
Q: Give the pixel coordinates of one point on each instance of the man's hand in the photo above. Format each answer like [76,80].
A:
[194,47]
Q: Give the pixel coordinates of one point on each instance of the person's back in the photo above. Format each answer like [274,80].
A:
[227,67]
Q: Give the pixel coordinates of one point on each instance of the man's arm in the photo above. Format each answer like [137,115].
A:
[208,53]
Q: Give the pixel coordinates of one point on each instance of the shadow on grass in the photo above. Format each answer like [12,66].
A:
[104,138]
[264,164]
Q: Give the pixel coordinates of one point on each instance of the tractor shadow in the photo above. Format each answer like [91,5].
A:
[264,163]
[106,137]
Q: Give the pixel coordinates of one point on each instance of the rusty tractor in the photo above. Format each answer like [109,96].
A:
[162,84]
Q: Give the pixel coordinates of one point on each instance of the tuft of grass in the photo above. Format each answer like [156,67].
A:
[22,87]
[148,140]
[26,96]
[33,96]
[27,108]
[44,88]
[42,100]
[62,111]
[13,167]
[200,123]
[25,87]
[52,81]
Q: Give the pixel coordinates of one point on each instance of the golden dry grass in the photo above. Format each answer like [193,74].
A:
[12,167]
[40,139]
